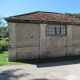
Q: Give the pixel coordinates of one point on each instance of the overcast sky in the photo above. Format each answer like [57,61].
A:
[15,7]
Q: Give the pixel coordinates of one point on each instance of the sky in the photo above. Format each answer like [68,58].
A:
[16,7]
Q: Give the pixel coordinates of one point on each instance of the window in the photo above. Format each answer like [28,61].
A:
[63,30]
[51,29]
[56,30]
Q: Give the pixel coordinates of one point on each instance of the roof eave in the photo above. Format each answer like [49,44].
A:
[42,21]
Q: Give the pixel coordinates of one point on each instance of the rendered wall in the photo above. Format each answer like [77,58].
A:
[24,41]
[69,40]
[51,45]
[27,41]
[12,42]
[76,40]
[73,40]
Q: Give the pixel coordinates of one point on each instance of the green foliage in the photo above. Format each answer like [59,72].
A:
[3,45]
[77,15]
[4,56]
[4,59]
[4,32]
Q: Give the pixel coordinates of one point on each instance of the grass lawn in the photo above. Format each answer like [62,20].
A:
[4,60]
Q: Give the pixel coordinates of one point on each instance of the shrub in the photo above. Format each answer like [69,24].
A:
[0,37]
[3,45]
[0,48]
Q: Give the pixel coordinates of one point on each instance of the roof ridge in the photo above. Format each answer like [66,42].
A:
[24,14]
[42,12]
[58,13]
[35,12]
[44,15]
[50,12]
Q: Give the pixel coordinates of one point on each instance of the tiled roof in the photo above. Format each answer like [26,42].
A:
[41,15]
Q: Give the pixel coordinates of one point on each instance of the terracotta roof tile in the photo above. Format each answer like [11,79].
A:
[40,15]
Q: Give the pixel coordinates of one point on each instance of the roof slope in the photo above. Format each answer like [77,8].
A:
[46,16]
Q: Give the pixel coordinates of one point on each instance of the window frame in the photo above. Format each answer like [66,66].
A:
[62,31]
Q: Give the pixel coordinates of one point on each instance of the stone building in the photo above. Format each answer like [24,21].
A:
[42,35]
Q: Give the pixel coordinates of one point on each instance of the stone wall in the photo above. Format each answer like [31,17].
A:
[30,41]
[51,45]
[55,48]
[27,53]
[33,42]
[69,40]
[76,40]
[27,35]
[12,42]
[27,41]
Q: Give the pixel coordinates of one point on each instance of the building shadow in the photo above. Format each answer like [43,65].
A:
[9,75]
[62,63]
[49,62]
[46,79]
[40,79]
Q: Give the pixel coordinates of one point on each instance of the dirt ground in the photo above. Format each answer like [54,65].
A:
[68,70]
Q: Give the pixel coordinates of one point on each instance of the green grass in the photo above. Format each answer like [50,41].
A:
[4,57]
[4,60]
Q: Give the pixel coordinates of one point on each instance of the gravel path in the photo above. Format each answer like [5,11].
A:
[69,70]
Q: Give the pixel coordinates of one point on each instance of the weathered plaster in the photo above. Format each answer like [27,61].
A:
[28,41]
[42,40]
[12,42]
[69,40]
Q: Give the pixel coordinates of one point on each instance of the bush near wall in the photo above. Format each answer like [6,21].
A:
[3,45]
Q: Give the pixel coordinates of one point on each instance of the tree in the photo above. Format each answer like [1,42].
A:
[3,28]
[3,23]
[77,15]
[6,32]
